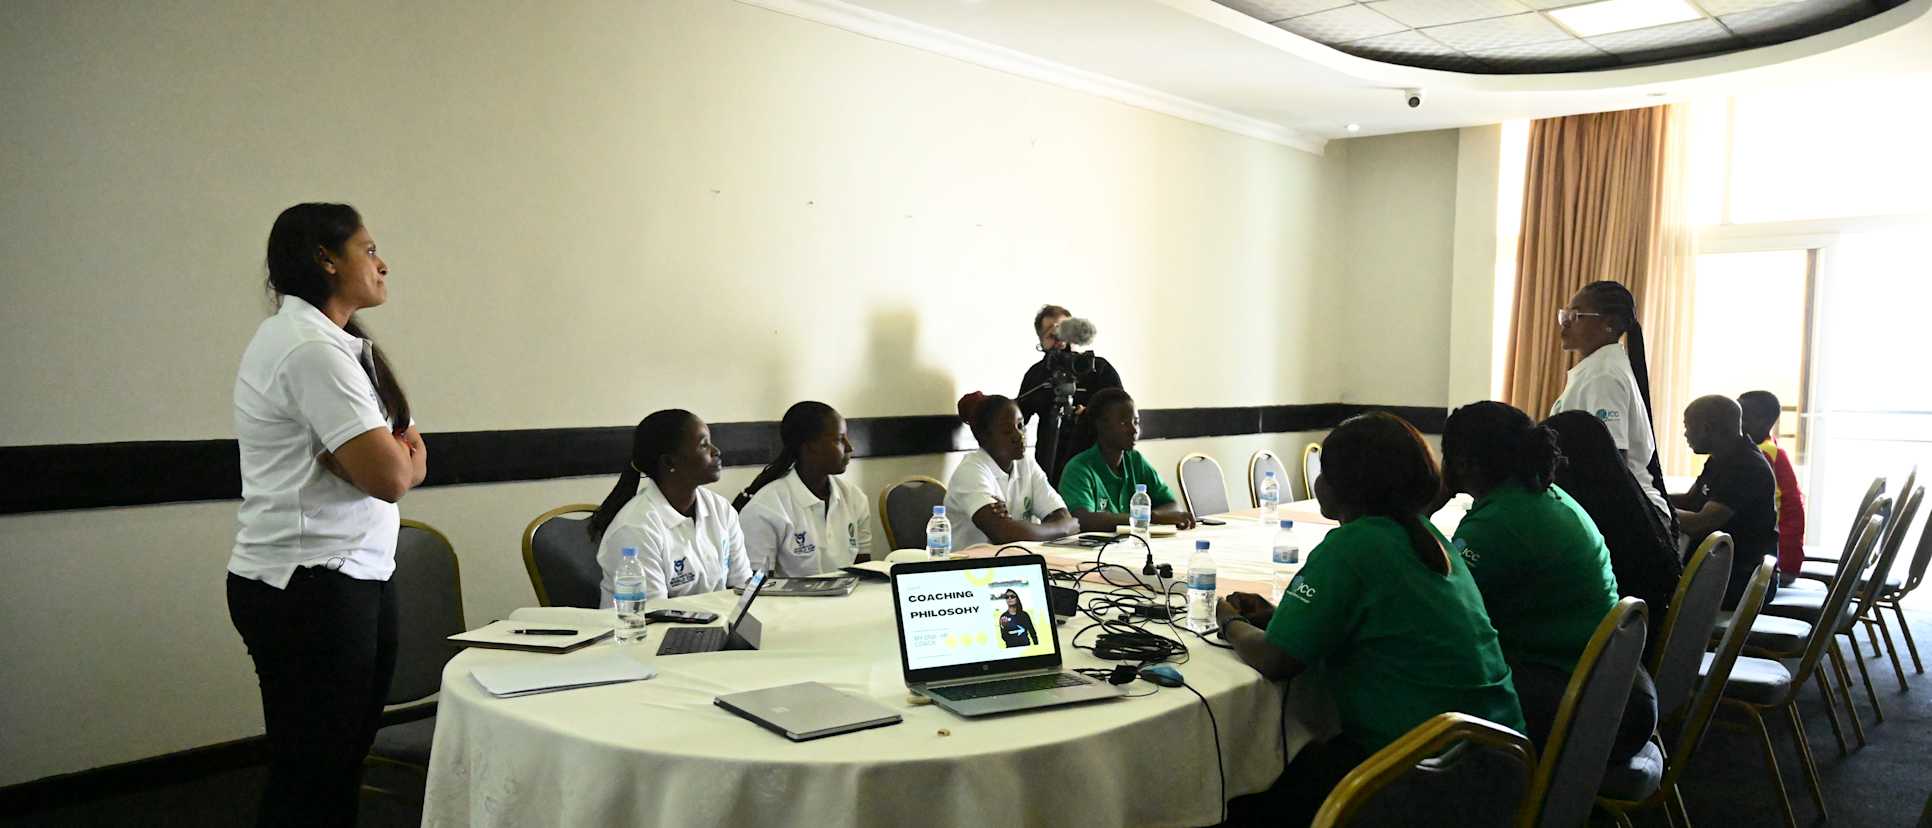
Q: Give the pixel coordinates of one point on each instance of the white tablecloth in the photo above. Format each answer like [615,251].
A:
[658,752]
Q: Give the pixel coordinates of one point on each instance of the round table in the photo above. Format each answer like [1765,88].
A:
[658,752]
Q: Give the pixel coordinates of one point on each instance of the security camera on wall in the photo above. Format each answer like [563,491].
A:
[1413,96]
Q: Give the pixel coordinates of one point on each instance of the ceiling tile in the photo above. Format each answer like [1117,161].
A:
[1404,44]
[1342,25]
[1419,13]
[1780,23]
[1500,33]
[1553,4]
[1553,56]
[1719,8]
[1270,11]
[1674,40]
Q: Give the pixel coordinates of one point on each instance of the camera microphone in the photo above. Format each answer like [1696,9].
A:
[1075,331]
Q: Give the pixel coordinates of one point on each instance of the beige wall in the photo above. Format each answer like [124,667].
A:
[593,210]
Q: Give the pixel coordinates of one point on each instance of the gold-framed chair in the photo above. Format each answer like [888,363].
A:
[1564,788]
[1897,587]
[1651,780]
[428,581]
[906,504]
[1819,567]
[1452,763]
[1689,623]
[1760,685]
[1260,464]
[1204,489]
[1311,469]
[561,558]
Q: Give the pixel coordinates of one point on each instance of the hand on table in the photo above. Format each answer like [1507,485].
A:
[1179,520]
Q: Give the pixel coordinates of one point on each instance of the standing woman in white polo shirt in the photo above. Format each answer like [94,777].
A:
[686,536]
[800,517]
[999,494]
[1613,383]
[327,448]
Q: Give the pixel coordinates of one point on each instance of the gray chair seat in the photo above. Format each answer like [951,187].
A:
[1893,583]
[1779,635]
[407,742]
[1755,680]
[1636,779]
[1802,604]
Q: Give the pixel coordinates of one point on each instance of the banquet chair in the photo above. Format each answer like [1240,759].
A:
[561,558]
[1259,465]
[1650,779]
[905,506]
[1575,758]
[1453,763]
[1204,491]
[1687,625]
[429,608]
[1311,468]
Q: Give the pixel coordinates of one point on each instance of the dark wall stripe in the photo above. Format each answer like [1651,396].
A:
[97,475]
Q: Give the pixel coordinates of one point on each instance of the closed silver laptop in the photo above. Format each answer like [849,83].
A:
[976,636]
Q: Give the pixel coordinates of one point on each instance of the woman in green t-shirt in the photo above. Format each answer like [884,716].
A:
[1098,484]
[1538,558]
[1381,608]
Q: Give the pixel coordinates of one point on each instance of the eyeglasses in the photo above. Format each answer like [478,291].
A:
[1564,316]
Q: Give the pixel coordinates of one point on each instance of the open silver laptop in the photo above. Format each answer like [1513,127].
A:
[976,635]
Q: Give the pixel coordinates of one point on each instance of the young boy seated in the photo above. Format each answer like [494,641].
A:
[1761,413]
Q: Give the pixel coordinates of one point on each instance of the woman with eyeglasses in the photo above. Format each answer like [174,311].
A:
[1611,382]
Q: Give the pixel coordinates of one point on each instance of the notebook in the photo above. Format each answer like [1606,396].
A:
[503,635]
[524,678]
[811,587]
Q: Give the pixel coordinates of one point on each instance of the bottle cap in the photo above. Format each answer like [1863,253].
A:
[1268,475]
[1140,488]
[1287,524]
[1200,546]
[939,511]
[630,551]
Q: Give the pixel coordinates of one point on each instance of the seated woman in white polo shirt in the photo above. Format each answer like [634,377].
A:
[800,517]
[999,494]
[686,535]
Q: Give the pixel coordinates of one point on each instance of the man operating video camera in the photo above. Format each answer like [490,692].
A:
[1056,388]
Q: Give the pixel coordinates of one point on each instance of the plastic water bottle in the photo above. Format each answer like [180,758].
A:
[1270,497]
[1200,588]
[1140,511]
[1286,554]
[627,588]
[939,535]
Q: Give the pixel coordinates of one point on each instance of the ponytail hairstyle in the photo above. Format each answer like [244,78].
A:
[1619,309]
[803,421]
[1378,463]
[655,436]
[976,410]
[1502,444]
[294,263]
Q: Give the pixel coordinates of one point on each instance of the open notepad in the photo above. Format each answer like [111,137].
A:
[526,677]
[503,635]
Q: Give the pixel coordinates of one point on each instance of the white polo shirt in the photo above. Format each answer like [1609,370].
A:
[789,531]
[1603,384]
[305,387]
[681,555]
[979,481]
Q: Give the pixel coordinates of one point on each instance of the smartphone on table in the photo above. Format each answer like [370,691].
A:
[677,616]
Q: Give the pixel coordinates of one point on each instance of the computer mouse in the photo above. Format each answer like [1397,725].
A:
[1162,675]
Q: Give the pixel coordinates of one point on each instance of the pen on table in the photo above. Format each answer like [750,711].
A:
[542,631]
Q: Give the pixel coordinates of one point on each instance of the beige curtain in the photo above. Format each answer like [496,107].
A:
[1604,199]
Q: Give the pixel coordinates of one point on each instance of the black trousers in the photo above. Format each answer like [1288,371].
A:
[1303,786]
[324,651]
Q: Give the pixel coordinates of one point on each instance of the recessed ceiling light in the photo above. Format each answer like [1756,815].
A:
[1353,127]
[1592,19]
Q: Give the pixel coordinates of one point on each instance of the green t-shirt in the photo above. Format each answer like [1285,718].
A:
[1398,642]
[1087,485]
[1543,570]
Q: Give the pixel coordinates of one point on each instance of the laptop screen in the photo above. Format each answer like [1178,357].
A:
[975,612]
[750,591]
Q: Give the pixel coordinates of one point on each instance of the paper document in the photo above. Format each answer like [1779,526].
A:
[534,636]
[523,678]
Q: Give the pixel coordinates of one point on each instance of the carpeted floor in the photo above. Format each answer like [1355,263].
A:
[1887,783]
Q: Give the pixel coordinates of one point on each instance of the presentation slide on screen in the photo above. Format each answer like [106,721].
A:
[967,616]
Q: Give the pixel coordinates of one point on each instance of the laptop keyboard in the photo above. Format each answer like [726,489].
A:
[1006,687]
[700,640]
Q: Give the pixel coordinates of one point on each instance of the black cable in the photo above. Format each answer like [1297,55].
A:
[1219,769]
